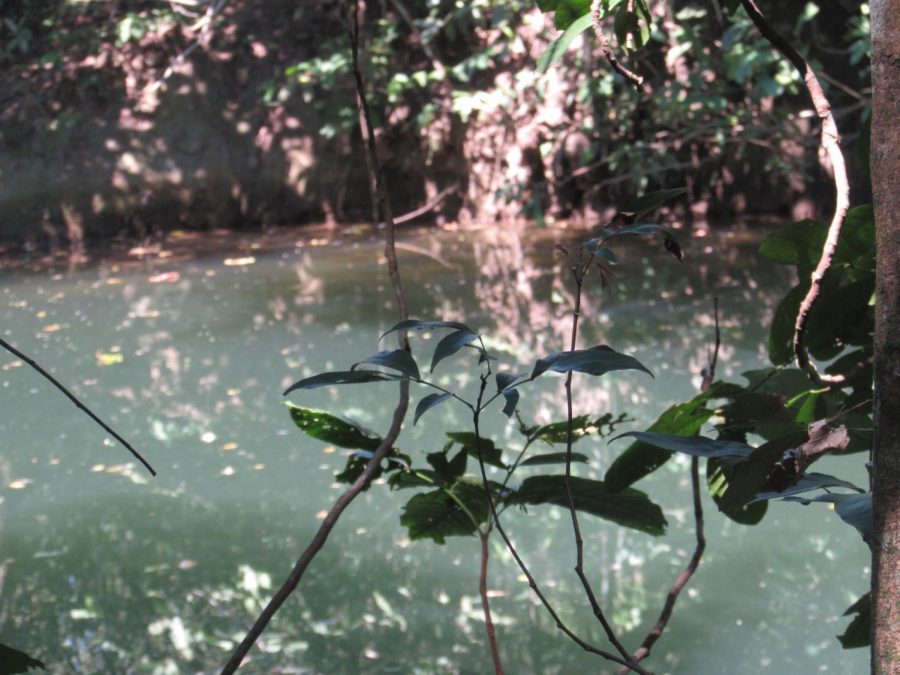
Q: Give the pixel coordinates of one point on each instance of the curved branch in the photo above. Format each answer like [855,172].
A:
[632,77]
[381,202]
[830,143]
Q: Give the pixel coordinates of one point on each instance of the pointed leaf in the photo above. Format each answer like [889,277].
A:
[414,324]
[413,479]
[357,462]
[808,483]
[855,510]
[629,507]
[13,661]
[553,458]
[505,379]
[490,454]
[555,51]
[859,632]
[451,344]
[340,377]
[332,429]
[427,403]
[512,400]
[447,471]
[696,446]
[594,361]
[398,359]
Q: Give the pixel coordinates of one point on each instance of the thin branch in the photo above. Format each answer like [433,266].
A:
[485,604]
[87,411]
[632,77]
[830,143]
[495,516]
[425,208]
[365,478]
[656,632]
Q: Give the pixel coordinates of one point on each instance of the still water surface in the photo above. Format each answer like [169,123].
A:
[103,570]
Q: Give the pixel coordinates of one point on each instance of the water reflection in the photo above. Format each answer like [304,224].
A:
[102,570]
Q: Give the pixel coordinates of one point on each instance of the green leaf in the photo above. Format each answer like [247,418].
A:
[553,458]
[413,479]
[807,483]
[340,377]
[358,461]
[798,244]
[451,344]
[781,334]
[12,661]
[650,202]
[684,419]
[427,403]
[398,359]
[696,446]
[718,472]
[436,515]
[748,477]
[594,361]
[555,50]
[628,508]
[331,429]
[447,471]
[512,400]
[490,454]
[414,324]
[859,632]
[505,379]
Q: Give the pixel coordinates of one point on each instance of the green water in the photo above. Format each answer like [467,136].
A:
[103,570]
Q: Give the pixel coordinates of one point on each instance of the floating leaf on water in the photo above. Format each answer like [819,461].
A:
[240,262]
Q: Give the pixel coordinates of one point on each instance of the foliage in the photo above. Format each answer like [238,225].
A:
[13,661]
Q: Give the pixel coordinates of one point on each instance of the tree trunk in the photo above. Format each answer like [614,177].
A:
[885,155]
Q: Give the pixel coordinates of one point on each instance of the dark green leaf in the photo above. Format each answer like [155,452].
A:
[12,661]
[594,361]
[447,471]
[413,479]
[436,515]
[358,461]
[427,403]
[504,380]
[749,476]
[340,377]
[718,472]
[650,202]
[451,344]
[490,454]
[798,244]
[328,428]
[859,632]
[414,324]
[398,359]
[684,419]
[555,50]
[512,400]
[553,458]
[697,446]
[628,508]
[781,335]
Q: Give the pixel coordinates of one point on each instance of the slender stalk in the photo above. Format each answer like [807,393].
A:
[485,604]
[365,478]
[830,143]
[633,78]
[560,624]
[81,406]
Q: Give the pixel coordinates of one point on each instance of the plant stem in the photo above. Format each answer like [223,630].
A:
[485,604]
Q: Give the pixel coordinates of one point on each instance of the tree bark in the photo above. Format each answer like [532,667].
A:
[885,160]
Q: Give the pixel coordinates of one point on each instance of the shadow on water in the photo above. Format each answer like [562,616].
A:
[105,571]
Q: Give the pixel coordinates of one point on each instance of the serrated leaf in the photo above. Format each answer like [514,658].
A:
[398,359]
[628,508]
[436,515]
[489,453]
[331,429]
[427,403]
[13,661]
[594,361]
[553,458]
[696,446]
[341,377]
[415,324]
[450,344]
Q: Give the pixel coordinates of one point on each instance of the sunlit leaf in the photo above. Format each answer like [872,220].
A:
[427,403]
[13,661]
[359,376]
[398,359]
[629,507]
[331,429]
[553,458]
[594,361]
[451,344]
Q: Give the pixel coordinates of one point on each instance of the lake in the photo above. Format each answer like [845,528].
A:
[106,570]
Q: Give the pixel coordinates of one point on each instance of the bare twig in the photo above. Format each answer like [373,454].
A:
[87,411]
[485,603]
[365,478]
[425,208]
[656,632]
[830,143]
[632,77]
